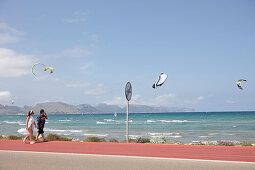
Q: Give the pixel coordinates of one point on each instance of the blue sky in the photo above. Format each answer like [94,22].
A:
[97,46]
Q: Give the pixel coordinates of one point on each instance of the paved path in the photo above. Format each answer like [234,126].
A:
[228,153]
[26,160]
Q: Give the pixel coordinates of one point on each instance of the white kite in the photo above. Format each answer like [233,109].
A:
[161,79]
[239,82]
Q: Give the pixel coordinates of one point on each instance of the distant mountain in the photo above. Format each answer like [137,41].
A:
[105,108]
[60,108]
[11,110]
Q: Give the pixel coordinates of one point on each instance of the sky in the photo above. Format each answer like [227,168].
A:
[96,47]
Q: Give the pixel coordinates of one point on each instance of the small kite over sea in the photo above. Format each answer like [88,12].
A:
[239,83]
[161,79]
[38,68]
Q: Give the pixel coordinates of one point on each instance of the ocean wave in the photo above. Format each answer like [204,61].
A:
[64,120]
[109,120]
[21,114]
[212,134]
[66,134]
[22,124]
[173,121]
[134,136]
[177,136]
[61,130]
[150,121]
[14,122]
[163,134]
[128,121]
[94,134]
[204,136]
[98,122]
[228,134]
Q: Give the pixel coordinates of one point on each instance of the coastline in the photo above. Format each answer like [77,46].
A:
[156,141]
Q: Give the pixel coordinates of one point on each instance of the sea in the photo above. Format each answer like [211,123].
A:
[178,127]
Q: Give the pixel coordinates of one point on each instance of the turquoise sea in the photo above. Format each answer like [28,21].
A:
[178,127]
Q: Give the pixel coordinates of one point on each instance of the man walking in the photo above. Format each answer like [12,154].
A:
[40,124]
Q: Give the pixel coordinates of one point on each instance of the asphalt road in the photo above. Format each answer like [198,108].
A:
[44,160]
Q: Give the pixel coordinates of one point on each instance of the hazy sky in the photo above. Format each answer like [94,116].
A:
[97,46]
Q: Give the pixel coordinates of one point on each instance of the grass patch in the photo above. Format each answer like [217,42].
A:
[142,140]
[2,137]
[169,142]
[226,143]
[113,140]
[12,137]
[94,139]
[246,144]
[55,137]
[129,141]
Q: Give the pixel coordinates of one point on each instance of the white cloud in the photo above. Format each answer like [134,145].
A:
[77,52]
[100,85]
[200,98]
[95,92]
[197,100]
[230,102]
[116,101]
[100,89]
[9,34]
[138,99]
[78,84]
[78,16]
[5,96]
[13,64]
[165,99]
[87,66]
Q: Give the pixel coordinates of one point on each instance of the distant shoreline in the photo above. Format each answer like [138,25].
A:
[111,113]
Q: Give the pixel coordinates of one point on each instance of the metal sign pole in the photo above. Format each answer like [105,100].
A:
[128,93]
[127,122]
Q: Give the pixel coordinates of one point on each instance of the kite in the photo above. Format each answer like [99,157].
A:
[239,82]
[12,101]
[39,67]
[161,79]
[51,69]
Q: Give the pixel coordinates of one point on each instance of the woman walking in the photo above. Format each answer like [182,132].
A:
[30,123]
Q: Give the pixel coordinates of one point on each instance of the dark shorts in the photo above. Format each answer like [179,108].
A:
[40,130]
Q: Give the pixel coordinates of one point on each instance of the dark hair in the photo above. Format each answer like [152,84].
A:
[30,112]
[41,111]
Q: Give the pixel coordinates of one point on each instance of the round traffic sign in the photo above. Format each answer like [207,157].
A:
[128,91]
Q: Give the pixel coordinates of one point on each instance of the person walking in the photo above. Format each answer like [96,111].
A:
[30,123]
[40,124]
